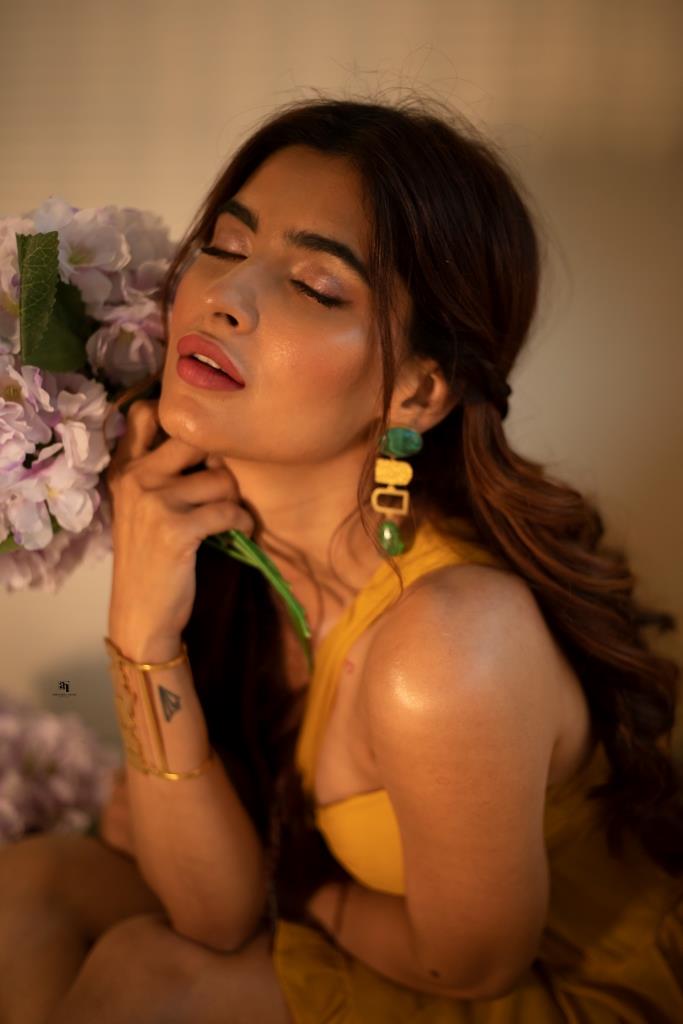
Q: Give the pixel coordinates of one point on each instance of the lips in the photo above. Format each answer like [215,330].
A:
[191,344]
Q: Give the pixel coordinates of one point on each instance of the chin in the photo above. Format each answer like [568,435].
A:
[176,418]
[181,418]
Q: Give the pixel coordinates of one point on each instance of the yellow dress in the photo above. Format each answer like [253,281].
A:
[612,947]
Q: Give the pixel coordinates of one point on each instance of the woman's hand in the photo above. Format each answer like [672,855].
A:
[115,824]
[160,518]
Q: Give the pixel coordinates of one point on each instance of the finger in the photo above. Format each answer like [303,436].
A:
[205,485]
[132,441]
[172,456]
[220,516]
[142,426]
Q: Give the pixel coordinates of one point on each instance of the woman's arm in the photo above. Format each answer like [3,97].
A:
[375,927]
[195,843]
[477,709]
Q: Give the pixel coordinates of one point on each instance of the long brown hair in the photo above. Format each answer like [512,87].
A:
[449,216]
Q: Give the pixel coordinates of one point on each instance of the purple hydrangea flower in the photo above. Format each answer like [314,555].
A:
[55,776]
[58,430]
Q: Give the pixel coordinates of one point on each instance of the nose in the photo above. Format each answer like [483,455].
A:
[234,301]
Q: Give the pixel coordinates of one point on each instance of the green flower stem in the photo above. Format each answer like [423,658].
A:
[236,544]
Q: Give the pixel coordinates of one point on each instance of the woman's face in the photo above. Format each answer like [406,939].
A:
[312,370]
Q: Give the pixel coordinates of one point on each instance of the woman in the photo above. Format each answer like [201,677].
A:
[469,810]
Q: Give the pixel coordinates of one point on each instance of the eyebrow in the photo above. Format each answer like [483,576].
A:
[303,239]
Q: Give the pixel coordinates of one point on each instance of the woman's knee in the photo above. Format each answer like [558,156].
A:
[46,860]
[29,865]
[79,874]
[147,940]
[31,911]
[143,954]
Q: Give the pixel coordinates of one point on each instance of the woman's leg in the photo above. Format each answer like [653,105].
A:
[143,972]
[58,894]
[41,953]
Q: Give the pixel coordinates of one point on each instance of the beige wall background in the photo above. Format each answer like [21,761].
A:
[140,104]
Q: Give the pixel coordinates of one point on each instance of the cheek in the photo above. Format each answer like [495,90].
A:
[324,362]
[181,307]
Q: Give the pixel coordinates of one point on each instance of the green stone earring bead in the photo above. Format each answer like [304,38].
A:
[389,537]
[400,441]
[396,442]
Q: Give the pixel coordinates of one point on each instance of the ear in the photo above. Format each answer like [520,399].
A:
[422,397]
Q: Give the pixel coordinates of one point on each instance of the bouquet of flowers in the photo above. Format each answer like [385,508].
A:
[80,321]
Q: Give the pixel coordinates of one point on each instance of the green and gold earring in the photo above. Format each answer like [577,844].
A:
[394,475]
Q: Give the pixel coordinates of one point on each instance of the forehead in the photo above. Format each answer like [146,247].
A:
[299,187]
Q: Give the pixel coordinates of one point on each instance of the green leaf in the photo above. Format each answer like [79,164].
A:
[53,323]
[38,273]
[70,307]
[61,350]
[9,544]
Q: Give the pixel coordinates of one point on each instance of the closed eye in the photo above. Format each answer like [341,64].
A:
[325,300]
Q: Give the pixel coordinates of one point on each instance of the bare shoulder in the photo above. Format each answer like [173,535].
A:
[487,586]
[470,622]
[474,633]
[484,609]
